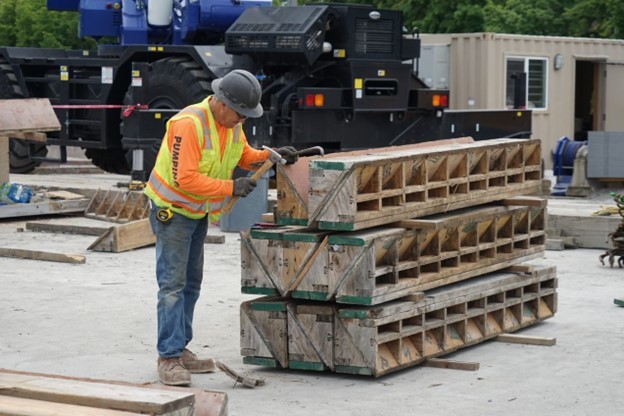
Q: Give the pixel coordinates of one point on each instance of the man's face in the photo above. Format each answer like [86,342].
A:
[228,117]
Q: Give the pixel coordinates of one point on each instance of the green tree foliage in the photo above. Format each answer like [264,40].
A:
[537,17]
[29,23]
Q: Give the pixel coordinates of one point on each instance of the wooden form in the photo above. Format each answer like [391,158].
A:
[23,119]
[376,340]
[44,208]
[124,237]
[118,206]
[352,193]
[293,180]
[384,263]
[96,395]
[19,253]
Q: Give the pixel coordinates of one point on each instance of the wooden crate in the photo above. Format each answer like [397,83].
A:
[357,192]
[380,339]
[380,264]
[274,260]
[264,332]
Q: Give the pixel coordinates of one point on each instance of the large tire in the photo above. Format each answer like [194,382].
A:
[174,84]
[20,152]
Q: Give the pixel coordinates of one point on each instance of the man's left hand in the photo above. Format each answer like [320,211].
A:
[289,154]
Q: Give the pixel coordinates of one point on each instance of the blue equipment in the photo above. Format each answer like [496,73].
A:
[563,163]
[168,22]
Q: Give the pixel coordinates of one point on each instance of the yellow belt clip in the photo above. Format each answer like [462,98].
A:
[164,214]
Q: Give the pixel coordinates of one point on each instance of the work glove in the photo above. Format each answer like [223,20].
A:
[289,154]
[243,186]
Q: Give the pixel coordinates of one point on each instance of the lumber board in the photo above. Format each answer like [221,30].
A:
[124,237]
[16,406]
[380,264]
[379,339]
[214,239]
[357,192]
[526,339]
[19,253]
[27,115]
[43,208]
[106,396]
[586,230]
[293,180]
[207,402]
[65,228]
[451,364]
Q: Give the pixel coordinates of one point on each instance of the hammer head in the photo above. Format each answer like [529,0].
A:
[274,157]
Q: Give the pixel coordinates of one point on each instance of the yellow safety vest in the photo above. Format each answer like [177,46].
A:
[161,187]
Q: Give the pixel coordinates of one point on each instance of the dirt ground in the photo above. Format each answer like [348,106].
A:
[98,320]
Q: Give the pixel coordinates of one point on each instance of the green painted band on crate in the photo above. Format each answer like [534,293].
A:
[304,237]
[265,235]
[619,302]
[355,300]
[306,365]
[259,290]
[336,226]
[346,240]
[269,306]
[292,221]
[306,294]
[323,164]
[361,371]
[266,362]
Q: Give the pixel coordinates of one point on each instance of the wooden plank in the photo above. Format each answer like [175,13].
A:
[43,208]
[207,402]
[27,115]
[451,364]
[214,239]
[65,228]
[526,339]
[19,253]
[82,393]
[4,159]
[16,406]
[31,136]
[124,237]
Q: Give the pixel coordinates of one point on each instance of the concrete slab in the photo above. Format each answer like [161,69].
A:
[98,320]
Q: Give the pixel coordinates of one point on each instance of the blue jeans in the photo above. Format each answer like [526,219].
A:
[179,272]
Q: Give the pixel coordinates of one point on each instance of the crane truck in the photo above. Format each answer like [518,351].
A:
[341,76]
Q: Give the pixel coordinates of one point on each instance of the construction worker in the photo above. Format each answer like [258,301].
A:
[191,178]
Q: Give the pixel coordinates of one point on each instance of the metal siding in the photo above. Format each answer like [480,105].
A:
[477,70]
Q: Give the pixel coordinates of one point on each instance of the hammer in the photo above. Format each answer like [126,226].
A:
[273,159]
[311,151]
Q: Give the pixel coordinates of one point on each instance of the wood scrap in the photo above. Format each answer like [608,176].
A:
[19,253]
[124,237]
[106,396]
[451,364]
[619,301]
[526,339]
[65,228]
[214,239]
[14,406]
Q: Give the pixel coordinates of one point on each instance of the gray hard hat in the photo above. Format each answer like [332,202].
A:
[240,91]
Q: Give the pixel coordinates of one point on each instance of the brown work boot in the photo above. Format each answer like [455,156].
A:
[196,365]
[171,372]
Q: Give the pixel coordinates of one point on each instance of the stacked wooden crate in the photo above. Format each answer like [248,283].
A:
[377,279]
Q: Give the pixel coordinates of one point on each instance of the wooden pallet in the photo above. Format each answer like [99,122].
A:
[118,206]
[377,340]
[380,264]
[293,180]
[357,192]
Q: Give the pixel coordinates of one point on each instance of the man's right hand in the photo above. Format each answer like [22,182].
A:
[243,186]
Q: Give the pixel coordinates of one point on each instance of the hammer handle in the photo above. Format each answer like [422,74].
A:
[266,166]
